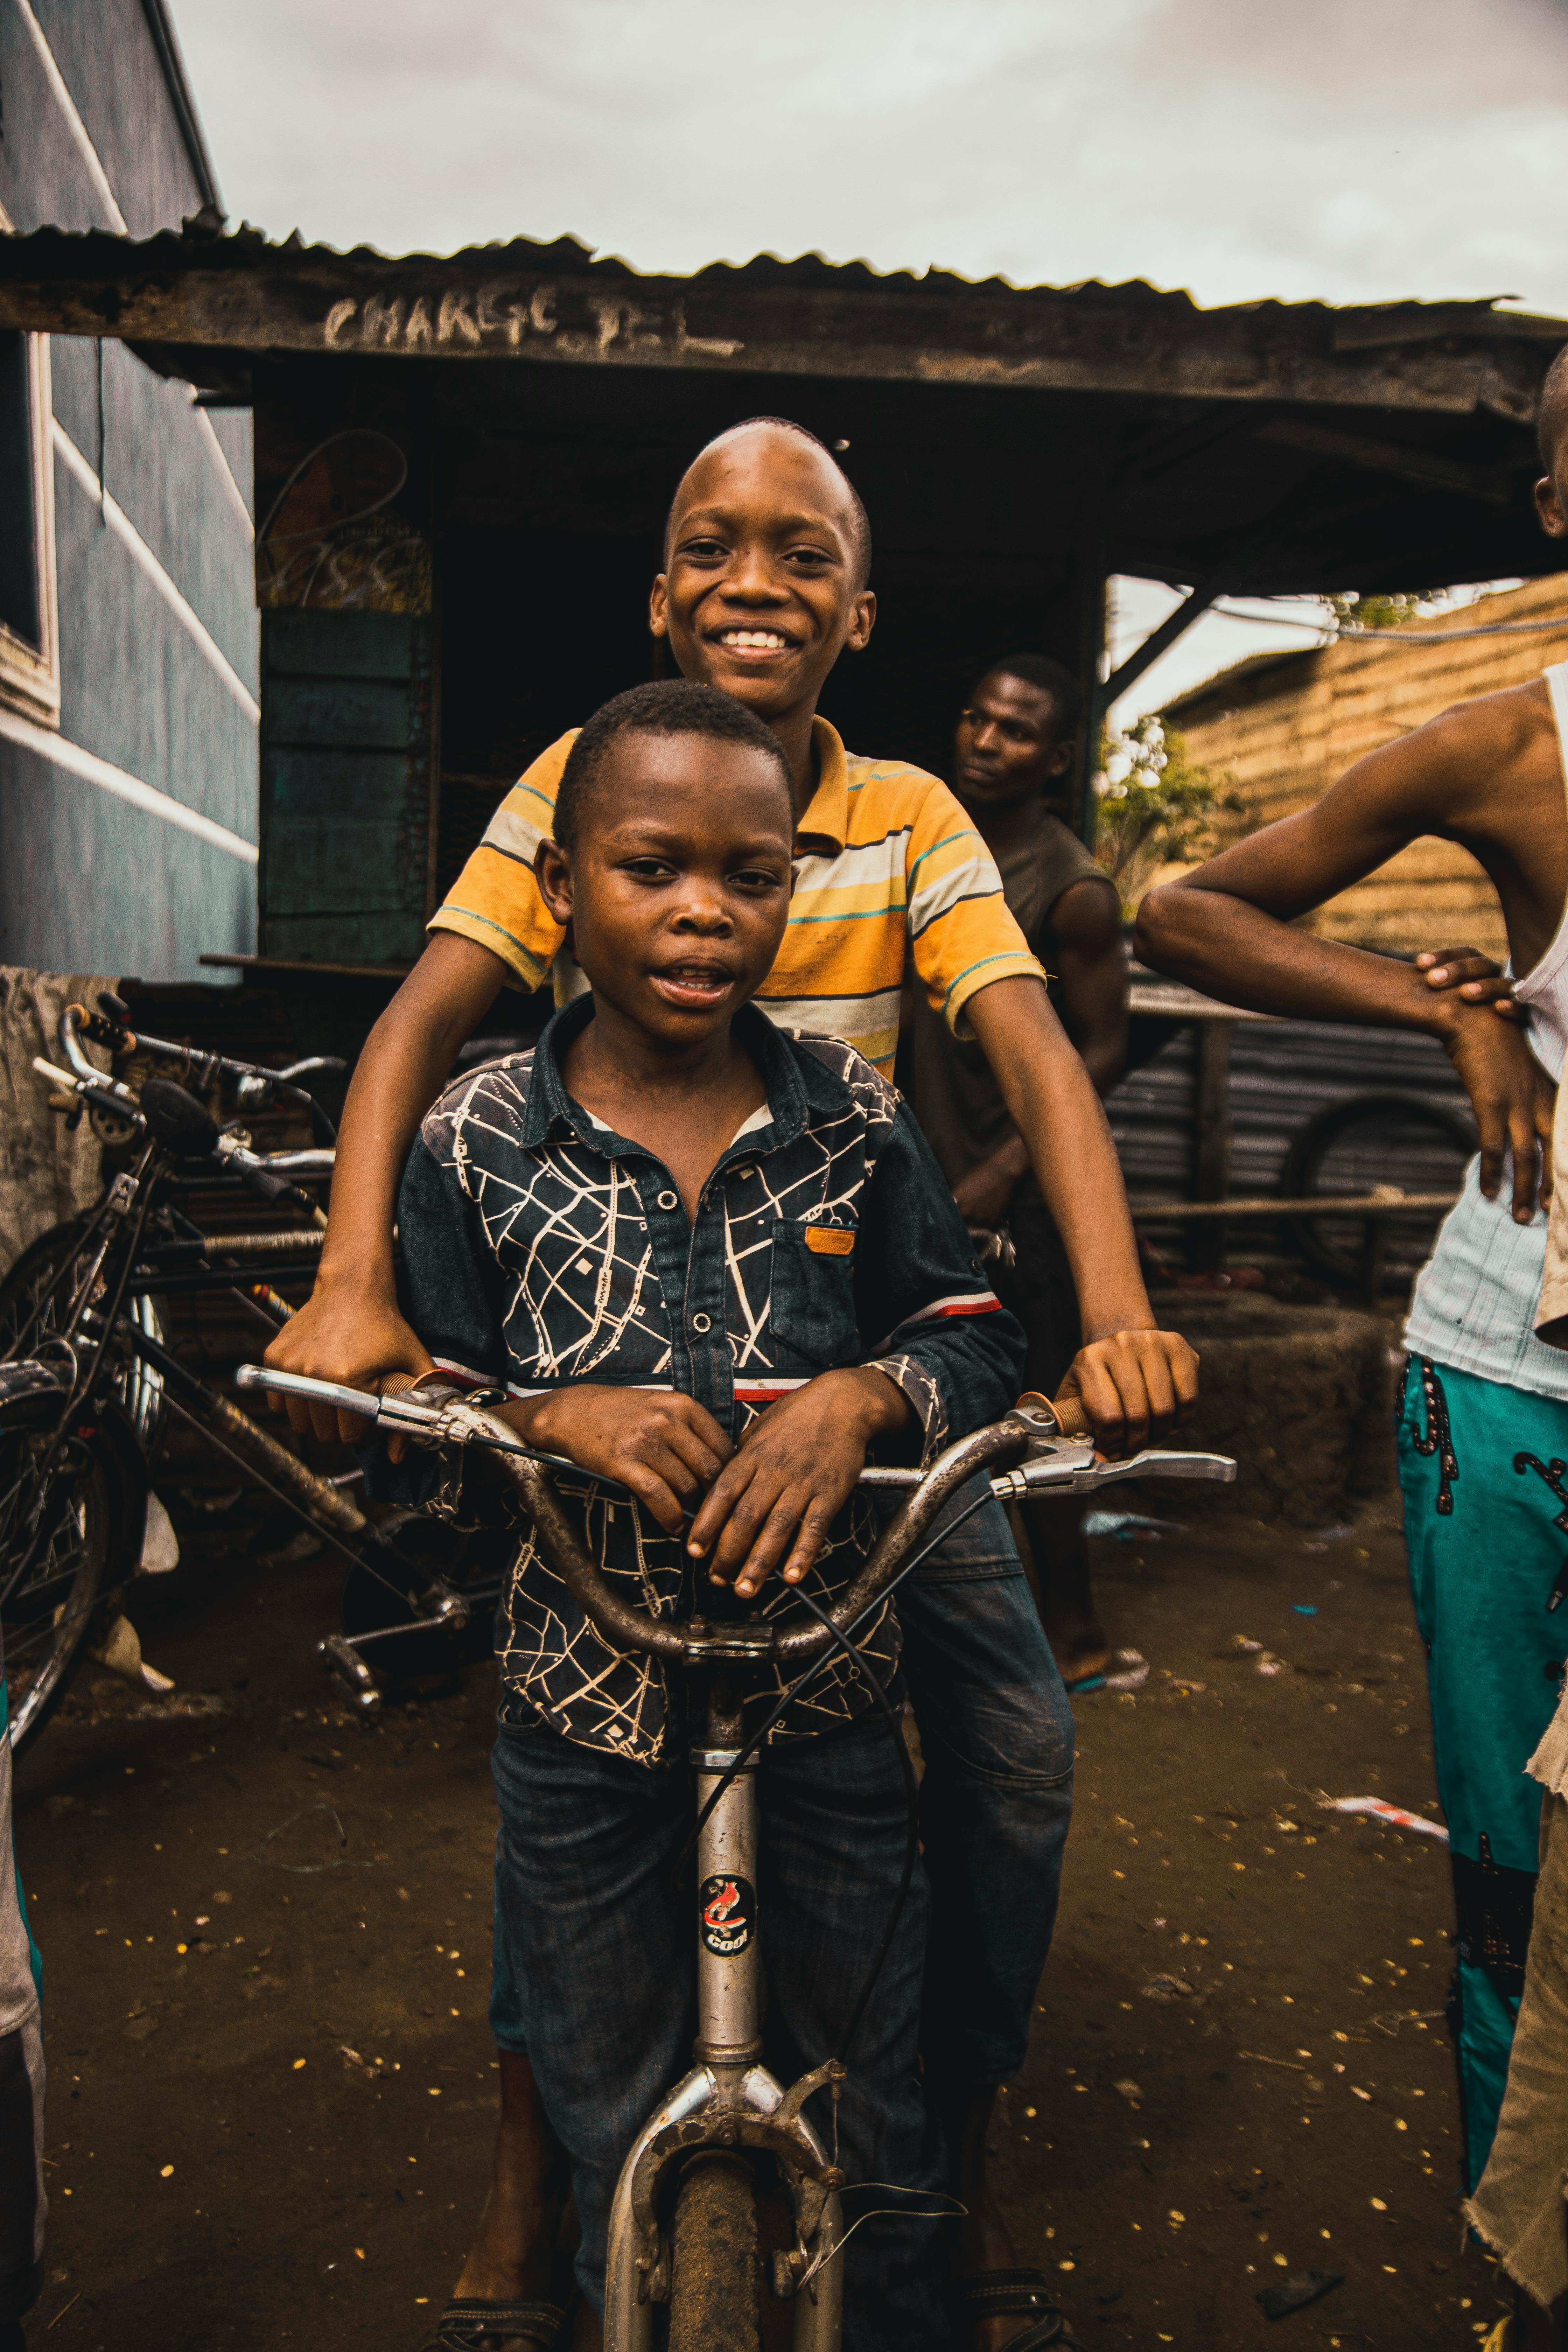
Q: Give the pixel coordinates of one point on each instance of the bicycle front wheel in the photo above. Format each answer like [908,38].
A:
[715,2303]
[67,1521]
[36,1300]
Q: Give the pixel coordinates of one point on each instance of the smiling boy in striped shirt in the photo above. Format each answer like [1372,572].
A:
[765,585]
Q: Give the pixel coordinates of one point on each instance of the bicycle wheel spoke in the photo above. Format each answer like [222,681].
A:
[54,1547]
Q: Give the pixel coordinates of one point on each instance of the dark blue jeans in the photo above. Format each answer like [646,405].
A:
[595,1976]
[996,1731]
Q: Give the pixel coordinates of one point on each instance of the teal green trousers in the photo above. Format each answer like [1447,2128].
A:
[1485,1479]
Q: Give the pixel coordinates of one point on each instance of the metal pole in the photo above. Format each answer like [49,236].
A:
[1211,1136]
[1091,661]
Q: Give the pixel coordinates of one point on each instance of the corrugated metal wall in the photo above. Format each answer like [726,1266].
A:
[1283,1074]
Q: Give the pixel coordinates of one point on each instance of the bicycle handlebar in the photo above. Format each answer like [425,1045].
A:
[272,1173]
[254,1085]
[1026,1447]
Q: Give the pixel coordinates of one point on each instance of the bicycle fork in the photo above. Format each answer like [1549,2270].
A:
[729,2100]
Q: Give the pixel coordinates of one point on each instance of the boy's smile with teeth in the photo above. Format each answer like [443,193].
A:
[764,583]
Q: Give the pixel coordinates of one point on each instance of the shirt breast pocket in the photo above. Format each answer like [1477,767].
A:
[811,1305]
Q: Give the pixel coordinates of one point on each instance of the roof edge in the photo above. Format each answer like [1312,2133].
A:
[165,40]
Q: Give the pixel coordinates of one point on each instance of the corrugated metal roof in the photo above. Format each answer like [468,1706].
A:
[207,243]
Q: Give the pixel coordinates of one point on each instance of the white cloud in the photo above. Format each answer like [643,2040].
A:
[1242,148]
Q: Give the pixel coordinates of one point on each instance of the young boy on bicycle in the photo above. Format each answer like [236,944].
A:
[766,583]
[715,1261]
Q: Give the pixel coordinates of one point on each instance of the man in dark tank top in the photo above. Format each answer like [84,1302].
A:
[1014,754]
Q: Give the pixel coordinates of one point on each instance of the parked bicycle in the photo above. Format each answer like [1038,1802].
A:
[683,2226]
[88,1377]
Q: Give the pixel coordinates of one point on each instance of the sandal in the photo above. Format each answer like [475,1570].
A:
[470,2322]
[997,2294]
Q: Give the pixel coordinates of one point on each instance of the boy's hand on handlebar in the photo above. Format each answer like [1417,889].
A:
[353,1339]
[794,1471]
[1136,1388]
[664,1446]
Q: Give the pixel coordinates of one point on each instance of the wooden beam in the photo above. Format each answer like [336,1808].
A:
[309,964]
[1157,453]
[1319,1204]
[1383,325]
[1090,652]
[1211,1136]
[1493,484]
[1175,625]
[485,305]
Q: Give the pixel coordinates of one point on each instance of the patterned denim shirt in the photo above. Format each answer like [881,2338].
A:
[542,1249]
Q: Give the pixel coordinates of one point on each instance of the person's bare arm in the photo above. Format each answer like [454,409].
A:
[1228,930]
[350,1329]
[1086,924]
[1135,1380]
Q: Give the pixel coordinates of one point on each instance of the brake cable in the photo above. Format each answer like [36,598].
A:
[862,1666]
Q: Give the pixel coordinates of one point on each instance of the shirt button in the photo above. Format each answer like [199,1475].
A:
[669,1200]
[702,1323]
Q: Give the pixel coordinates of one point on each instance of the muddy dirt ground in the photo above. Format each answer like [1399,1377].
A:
[265,1931]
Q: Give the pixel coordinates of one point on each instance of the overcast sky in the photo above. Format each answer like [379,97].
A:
[1347,150]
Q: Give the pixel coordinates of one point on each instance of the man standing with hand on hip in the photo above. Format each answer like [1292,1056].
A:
[1483,1416]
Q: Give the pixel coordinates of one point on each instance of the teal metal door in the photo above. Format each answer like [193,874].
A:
[347,729]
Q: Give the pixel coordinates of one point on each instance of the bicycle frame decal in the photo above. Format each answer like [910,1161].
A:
[728,1910]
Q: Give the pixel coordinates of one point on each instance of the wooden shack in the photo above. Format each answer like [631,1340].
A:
[463,465]
[1281,727]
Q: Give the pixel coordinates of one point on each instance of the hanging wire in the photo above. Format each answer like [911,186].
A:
[861,1667]
[955,2211]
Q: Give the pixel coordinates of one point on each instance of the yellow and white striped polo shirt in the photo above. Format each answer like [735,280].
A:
[888,867]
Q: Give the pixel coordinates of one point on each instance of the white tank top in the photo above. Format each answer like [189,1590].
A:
[1474,1302]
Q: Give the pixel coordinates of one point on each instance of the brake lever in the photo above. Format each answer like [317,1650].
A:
[1078,1470]
[447,1419]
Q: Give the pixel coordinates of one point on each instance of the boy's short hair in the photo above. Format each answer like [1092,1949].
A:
[1052,677]
[859,521]
[663,706]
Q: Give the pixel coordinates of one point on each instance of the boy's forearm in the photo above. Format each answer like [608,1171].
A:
[393,1088]
[404,1063]
[1060,1116]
